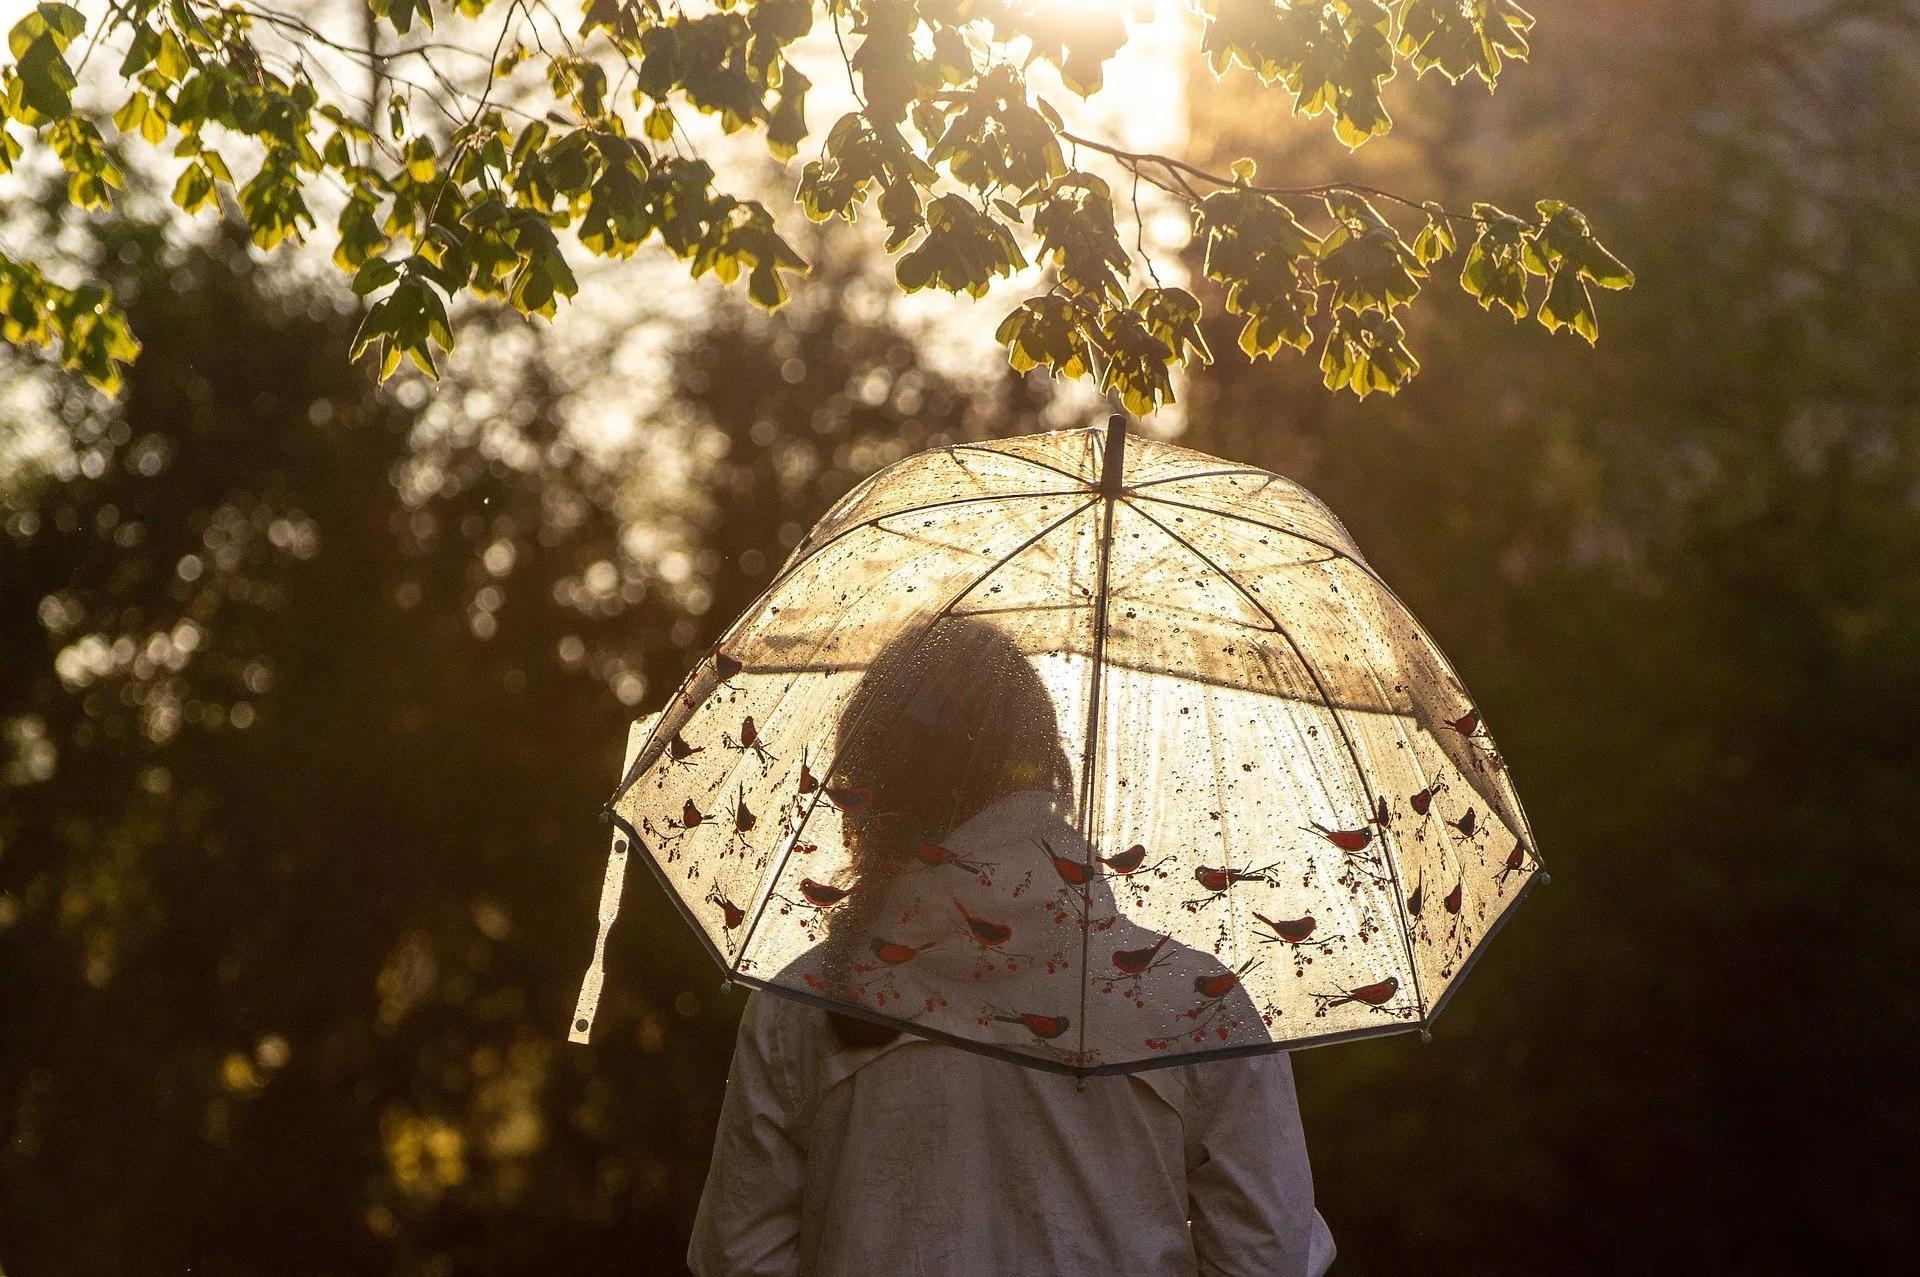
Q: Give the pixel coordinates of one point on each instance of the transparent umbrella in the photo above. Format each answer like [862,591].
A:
[1087,751]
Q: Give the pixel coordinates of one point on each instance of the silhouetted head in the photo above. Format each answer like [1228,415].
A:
[946,720]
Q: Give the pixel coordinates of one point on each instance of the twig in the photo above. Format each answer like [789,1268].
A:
[1177,167]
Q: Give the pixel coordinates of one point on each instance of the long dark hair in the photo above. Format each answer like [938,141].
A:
[948,718]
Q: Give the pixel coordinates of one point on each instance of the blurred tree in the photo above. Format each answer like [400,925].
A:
[305,702]
[1683,586]
[468,200]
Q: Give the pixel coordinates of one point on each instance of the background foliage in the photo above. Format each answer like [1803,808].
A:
[310,689]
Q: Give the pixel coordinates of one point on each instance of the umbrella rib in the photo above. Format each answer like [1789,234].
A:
[1359,771]
[875,520]
[1200,474]
[1032,461]
[766,896]
[1295,533]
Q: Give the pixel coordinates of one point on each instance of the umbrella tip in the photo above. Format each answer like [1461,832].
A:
[1426,1035]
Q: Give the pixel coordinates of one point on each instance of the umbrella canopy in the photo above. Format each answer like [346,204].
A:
[1088,751]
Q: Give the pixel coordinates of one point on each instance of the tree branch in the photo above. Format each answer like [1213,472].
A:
[1178,167]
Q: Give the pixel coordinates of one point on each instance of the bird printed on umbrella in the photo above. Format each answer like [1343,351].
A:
[1356,868]
[731,914]
[1516,862]
[1044,1027]
[1217,995]
[933,855]
[750,742]
[1218,881]
[1300,935]
[816,899]
[1422,800]
[1377,995]
[1130,965]
[679,753]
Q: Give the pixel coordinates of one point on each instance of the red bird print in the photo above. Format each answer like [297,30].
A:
[690,816]
[743,818]
[1072,872]
[1452,902]
[932,853]
[849,798]
[1292,930]
[808,781]
[1373,995]
[1215,986]
[749,740]
[1213,879]
[1344,839]
[1423,800]
[990,934]
[1382,814]
[1046,1027]
[731,912]
[1136,961]
[1419,896]
[823,895]
[1467,823]
[724,666]
[1467,724]
[1127,861]
[1516,861]
[894,953]
[1218,880]
[679,751]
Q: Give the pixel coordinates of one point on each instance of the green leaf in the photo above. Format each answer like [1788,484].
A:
[1495,269]
[195,189]
[1364,258]
[59,24]
[963,250]
[1569,305]
[172,59]
[1463,39]
[141,51]
[1366,352]
[45,82]
[1049,332]
[787,125]
[1137,361]
[132,113]
[1172,316]
[1268,262]
[1073,216]
[1435,241]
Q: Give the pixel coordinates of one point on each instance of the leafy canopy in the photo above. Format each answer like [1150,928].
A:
[452,189]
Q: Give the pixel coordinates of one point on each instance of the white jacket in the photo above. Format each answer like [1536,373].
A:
[920,1158]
